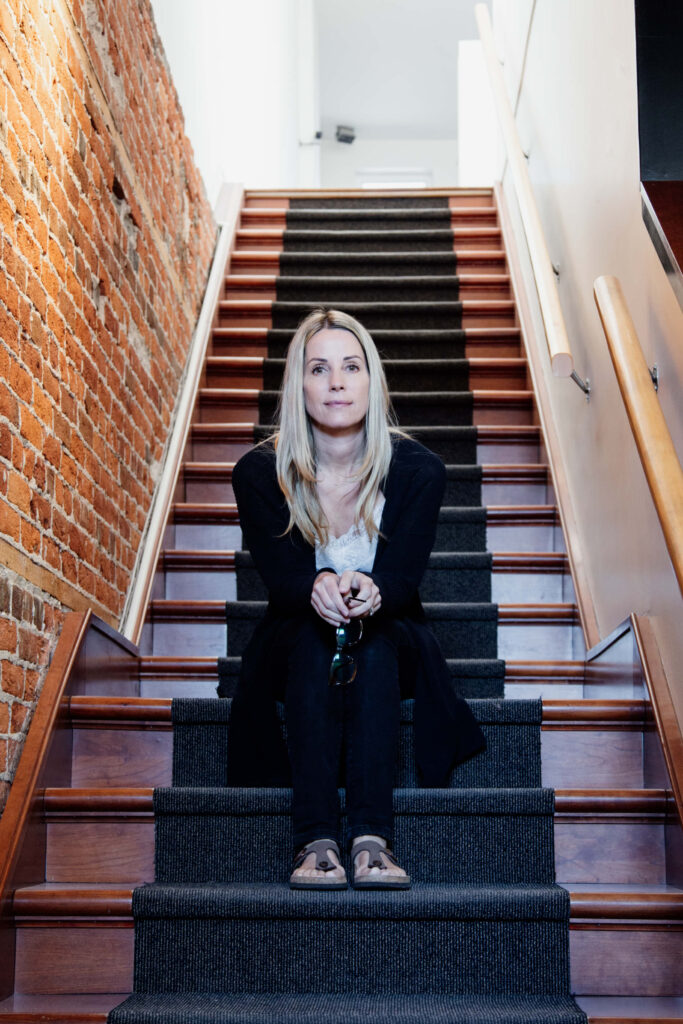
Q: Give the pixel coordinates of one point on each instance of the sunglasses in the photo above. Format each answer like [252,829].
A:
[343,668]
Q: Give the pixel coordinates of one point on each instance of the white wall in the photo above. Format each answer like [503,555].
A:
[234,65]
[341,162]
[572,64]
[479,147]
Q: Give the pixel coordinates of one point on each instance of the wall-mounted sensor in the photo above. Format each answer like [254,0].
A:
[345,133]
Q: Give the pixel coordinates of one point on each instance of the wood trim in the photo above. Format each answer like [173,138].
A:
[561,359]
[355,193]
[47,580]
[577,560]
[668,725]
[18,809]
[133,618]
[646,419]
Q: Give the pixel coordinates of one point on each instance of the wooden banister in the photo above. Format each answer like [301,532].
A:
[132,620]
[561,360]
[653,440]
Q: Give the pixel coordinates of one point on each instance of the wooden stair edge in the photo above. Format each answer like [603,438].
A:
[104,902]
[137,803]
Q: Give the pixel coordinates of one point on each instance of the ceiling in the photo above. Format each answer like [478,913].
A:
[389,68]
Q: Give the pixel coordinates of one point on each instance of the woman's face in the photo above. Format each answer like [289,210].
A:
[336,380]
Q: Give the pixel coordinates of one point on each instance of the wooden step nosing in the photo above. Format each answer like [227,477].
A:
[113,906]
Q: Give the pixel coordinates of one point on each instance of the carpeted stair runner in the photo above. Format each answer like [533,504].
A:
[512,758]
[482,937]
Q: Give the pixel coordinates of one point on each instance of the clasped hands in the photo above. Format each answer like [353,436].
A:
[337,599]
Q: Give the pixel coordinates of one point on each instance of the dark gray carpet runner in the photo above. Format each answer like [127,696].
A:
[482,937]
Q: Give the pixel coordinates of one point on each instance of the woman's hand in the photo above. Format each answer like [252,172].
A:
[366,601]
[327,599]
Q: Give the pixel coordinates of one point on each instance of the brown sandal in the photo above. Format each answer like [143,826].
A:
[322,863]
[375,850]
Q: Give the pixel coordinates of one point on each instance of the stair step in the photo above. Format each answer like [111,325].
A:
[584,744]
[440,374]
[505,484]
[339,290]
[466,314]
[107,835]
[475,261]
[496,528]
[456,238]
[528,631]
[349,220]
[307,198]
[168,676]
[236,405]
[536,576]
[479,341]
[306,1009]
[73,938]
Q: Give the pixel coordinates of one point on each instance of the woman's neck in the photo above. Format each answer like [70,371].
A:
[338,455]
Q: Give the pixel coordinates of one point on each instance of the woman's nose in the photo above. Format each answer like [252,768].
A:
[336,381]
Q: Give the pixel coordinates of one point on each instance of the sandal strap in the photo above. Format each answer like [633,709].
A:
[374,849]
[319,848]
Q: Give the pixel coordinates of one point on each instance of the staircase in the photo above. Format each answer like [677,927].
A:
[486,933]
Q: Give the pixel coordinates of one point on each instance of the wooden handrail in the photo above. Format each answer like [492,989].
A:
[653,440]
[133,617]
[561,360]
[37,744]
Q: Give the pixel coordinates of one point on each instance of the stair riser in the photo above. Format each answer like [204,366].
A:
[202,584]
[118,852]
[479,348]
[431,848]
[451,959]
[450,537]
[487,450]
[340,199]
[267,263]
[221,491]
[348,222]
[477,317]
[252,240]
[483,412]
[399,378]
[571,758]
[98,959]
[332,294]
[545,641]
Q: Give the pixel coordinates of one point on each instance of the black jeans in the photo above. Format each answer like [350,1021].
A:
[357,723]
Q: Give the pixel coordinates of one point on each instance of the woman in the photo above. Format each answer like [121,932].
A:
[339,512]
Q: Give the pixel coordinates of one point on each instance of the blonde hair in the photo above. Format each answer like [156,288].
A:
[296,462]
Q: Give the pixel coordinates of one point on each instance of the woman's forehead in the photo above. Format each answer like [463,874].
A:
[333,341]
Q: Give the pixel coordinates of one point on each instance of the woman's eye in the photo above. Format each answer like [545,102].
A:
[352,366]
[318,369]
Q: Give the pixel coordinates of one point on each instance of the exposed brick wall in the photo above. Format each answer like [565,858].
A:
[106,239]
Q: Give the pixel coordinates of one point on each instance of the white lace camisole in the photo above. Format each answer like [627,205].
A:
[353,550]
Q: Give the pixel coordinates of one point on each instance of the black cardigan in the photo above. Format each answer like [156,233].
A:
[445,730]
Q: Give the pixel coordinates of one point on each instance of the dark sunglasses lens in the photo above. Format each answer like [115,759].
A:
[342,670]
[349,633]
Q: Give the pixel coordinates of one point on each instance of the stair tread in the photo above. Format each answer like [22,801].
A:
[138,801]
[589,899]
[82,1008]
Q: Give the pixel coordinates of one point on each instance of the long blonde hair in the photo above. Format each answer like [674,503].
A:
[296,462]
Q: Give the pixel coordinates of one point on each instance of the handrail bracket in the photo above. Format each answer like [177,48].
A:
[585,385]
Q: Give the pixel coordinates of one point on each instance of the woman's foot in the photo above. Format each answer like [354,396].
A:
[317,866]
[373,868]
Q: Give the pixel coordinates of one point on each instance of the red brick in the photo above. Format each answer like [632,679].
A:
[8,639]
[12,679]
[10,521]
